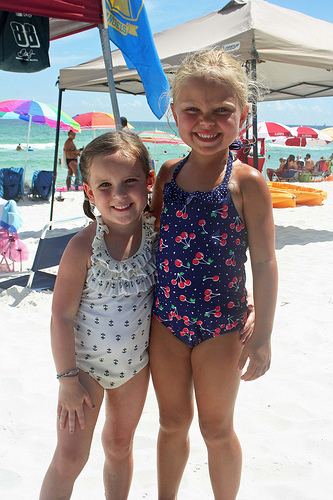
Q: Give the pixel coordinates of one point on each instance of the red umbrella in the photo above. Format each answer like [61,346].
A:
[300,141]
[310,133]
[95,120]
[268,130]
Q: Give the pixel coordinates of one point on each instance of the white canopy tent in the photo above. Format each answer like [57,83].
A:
[293,52]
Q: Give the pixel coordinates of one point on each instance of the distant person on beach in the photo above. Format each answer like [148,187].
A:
[125,127]
[101,314]
[291,168]
[19,147]
[321,166]
[291,162]
[279,171]
[300,162]
[288,170]
[210,211]
[308,163]
[72,154]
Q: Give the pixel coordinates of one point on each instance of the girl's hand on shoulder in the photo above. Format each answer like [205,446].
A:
[72,397]
[258,352]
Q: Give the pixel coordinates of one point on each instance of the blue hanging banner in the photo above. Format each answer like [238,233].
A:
[129,29]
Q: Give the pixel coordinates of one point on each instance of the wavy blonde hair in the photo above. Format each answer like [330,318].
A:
[218,66]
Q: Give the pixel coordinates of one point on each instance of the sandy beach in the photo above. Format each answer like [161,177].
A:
[284,420]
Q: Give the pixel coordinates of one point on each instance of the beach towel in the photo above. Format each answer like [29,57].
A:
[10,217]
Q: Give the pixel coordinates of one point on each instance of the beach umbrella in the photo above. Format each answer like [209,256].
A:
[37,112]
[269,130]
[95,120]
[10,115]
[309,133]
[301,142]
[160,137]
[328,131]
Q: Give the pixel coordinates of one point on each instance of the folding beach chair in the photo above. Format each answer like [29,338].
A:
[41,184]
[291,176]
[50,248]
[11,183]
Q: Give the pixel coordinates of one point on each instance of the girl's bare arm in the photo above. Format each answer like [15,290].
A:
[258,215]
[67,293]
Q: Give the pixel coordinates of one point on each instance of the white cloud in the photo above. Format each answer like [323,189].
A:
[317,111]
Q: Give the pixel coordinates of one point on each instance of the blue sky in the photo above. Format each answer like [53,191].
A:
[162,14]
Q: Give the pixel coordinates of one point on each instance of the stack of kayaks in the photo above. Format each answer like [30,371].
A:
[289,195]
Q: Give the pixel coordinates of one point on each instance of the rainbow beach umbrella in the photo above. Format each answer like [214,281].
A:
[37,112]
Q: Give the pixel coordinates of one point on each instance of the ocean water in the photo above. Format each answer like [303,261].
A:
[42,142]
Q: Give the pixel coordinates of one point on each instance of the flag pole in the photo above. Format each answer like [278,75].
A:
[104,35]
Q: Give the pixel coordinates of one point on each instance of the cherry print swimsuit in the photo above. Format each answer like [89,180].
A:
[200,287]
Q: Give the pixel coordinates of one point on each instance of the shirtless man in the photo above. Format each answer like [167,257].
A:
[282,167]
[309,163]
[72,155]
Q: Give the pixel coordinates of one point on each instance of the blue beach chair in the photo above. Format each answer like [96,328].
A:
[41,185]
[11,183]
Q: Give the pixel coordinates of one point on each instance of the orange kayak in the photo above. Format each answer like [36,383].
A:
[304,195]
[282,199]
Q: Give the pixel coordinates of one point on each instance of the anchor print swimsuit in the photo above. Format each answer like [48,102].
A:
[200,285]
[112,324]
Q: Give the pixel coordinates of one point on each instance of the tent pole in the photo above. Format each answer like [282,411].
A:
[26,153]
[56,149]
[104,35]
[254,116]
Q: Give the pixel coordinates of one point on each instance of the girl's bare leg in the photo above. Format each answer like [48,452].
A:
[123,408]
[72,450]
[216,381]
[170,364]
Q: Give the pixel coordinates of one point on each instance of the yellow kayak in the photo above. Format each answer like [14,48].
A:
[304,195]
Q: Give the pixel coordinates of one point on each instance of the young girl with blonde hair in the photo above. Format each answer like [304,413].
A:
[211,210]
